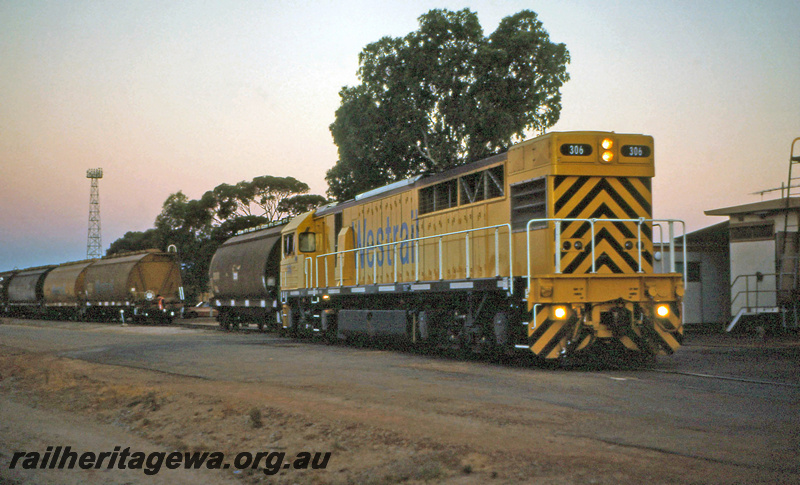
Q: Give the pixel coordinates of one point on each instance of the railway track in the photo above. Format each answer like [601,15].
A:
[723,378]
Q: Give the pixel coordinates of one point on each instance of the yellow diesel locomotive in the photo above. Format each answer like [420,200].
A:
[548,247]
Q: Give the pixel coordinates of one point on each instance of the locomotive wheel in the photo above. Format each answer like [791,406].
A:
[224,320]
[331,333]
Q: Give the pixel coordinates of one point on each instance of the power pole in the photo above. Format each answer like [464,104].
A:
[94,245]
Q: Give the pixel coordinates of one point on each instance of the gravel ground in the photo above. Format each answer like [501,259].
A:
[392,416]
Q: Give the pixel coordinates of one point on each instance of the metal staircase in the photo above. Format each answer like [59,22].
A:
[759,296]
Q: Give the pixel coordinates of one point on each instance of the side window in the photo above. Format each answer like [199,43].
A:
[467,189]
[495,182]
[484,185]
[288,244]
[472,188]
[443,195]
[307,241]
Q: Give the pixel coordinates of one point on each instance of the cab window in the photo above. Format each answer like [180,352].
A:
[288,244]
[307,241]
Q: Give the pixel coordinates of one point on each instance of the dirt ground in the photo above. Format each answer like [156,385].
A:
[100,405]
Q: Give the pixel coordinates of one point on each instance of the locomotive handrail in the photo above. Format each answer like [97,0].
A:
[660,243]
[747,291]
[440,237]
[656,222]
[535,324]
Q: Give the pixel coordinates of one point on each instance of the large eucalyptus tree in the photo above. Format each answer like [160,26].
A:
[444,95]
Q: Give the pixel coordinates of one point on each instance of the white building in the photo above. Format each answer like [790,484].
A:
[707,299]
[763,252]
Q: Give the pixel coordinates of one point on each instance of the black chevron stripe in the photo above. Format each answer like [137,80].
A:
[601,186]
[653,336]
[635,193]
[601,189]
[562,333]
[584,334]
[604,186]
[605,235]
[559,179]
[540,329]
[604,259]
[604,210]
[569,193]
[599,213]
[639,341]
[575,263]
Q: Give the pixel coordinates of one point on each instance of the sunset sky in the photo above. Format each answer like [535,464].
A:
[169,96]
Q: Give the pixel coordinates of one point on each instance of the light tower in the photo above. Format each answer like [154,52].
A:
[94,245]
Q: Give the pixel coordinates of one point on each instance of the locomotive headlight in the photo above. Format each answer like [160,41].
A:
[662,311]
[608,156]
[560,312]
[607,144]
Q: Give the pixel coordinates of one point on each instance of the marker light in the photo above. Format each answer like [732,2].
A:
[607,143]
[560,312]
[662,310]
[608,156]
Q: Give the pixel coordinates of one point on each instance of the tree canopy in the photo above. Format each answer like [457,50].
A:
[197,227]
[444,95]
[269,197]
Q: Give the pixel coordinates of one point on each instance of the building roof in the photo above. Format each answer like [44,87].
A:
[774,205]
[715,237]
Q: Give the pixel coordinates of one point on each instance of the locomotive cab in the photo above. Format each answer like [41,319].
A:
[299,246]
[301,243]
